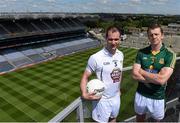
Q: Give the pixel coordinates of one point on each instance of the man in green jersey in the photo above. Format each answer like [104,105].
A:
[153,67]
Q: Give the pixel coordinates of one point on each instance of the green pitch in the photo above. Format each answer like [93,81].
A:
[40,92]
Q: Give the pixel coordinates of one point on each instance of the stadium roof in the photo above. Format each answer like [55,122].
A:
[35,15]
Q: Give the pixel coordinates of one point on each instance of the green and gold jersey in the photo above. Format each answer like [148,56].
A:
[153,62]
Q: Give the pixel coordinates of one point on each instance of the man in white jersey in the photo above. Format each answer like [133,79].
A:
[107,64]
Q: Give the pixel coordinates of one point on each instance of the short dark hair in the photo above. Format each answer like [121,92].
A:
[155,25]
[112,29]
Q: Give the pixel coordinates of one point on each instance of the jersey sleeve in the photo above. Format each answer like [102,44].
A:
[91,66]
[170,60]
[138,58]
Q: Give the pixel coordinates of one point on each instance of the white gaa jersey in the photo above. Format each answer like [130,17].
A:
[108,68]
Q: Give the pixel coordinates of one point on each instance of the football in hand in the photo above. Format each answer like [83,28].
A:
[96,86]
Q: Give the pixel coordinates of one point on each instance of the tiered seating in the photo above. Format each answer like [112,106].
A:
[51,23]
[39,25]
[37,30]
[5,65]
[75,46]
[11,27]
[18,59]
[26,24]
[2,31]
[33,41]
[64,25]
[33,55]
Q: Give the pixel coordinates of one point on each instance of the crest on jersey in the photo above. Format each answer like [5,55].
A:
[161,61]
[116,75]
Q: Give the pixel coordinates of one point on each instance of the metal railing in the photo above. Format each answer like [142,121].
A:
[170,104]
[78,106]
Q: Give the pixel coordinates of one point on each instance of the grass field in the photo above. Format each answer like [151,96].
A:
[41,91]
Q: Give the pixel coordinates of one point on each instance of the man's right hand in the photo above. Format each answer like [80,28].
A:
[90,96]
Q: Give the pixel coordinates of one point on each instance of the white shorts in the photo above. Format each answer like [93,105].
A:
[145,105]
[106,108]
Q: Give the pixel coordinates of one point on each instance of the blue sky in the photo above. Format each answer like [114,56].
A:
[89,6]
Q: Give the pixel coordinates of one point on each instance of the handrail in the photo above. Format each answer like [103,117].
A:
[169,104]
[75,104]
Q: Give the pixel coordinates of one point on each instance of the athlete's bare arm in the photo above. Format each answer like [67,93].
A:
[83,84]
[158,78]
[136,73]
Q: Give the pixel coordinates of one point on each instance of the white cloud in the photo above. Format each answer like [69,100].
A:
[51,0]
[3,6]
[135,0]
[159,2]
[34,5]
[116,6]
[103,1]
[162,0]
[10,0]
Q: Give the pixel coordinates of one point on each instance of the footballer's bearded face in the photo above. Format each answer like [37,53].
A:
[113,41]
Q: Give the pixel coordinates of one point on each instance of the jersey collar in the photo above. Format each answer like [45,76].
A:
[106,52]
[162,47]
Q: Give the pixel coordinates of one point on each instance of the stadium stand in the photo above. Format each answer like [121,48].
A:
[18,59]
[30,40]
[33,55]
[5,65]
[28,31]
